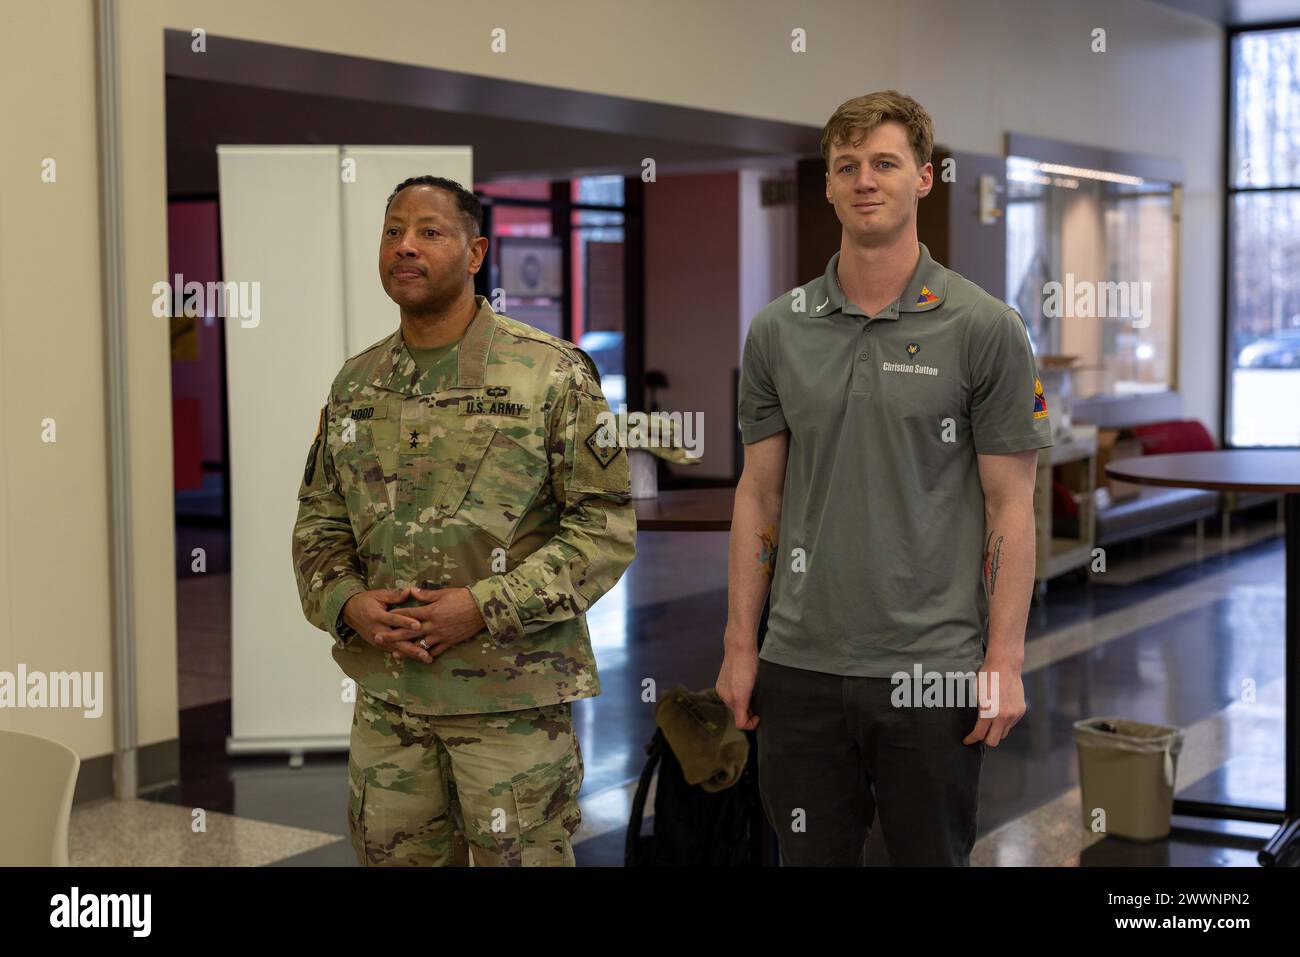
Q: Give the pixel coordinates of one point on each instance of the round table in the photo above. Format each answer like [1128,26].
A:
[1247,470]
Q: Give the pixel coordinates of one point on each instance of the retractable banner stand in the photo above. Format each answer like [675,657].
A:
[368,313]
[300,230]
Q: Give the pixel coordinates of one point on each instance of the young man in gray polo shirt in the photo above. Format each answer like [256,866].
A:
[891,414]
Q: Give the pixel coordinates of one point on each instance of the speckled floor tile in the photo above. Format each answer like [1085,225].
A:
[151,834]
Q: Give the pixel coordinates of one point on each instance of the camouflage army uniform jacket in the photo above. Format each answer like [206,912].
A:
[483,472]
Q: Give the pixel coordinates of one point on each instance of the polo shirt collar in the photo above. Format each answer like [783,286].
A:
[926,290]
[399,373]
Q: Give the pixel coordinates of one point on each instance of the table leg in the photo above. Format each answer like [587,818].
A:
[1288,835]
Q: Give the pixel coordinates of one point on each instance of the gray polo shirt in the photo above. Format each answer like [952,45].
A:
[879,561]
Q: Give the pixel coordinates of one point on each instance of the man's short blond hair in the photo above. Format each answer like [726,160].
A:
[857,118]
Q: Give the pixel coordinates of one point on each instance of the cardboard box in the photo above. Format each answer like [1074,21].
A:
[1112,445]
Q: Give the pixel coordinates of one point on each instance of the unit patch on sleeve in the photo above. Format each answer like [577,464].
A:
[598,462]
[1040,400]
[604,445]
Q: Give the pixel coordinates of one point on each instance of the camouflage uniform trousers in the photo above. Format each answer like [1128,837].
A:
[421,785]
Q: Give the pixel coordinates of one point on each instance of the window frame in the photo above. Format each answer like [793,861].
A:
[1230,192]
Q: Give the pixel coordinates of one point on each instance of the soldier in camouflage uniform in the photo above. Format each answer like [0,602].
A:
[458,514]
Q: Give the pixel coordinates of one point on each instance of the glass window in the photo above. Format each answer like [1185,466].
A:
[526,261]
[598,190]
[1263,360]
[598,260]
[1266,108]
[516,189]
[1090,267]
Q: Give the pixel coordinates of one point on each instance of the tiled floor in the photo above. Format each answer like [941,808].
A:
[1175,644]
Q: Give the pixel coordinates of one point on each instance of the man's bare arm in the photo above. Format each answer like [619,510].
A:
[1008,575]
[751,562]
[756,516]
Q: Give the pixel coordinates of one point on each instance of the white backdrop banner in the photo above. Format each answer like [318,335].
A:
[304,225]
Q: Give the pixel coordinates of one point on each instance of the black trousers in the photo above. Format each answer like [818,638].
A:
[833,751]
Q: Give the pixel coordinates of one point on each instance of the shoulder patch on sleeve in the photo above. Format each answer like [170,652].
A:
[599,462]
[315,481]
[603,445]
[1040,400]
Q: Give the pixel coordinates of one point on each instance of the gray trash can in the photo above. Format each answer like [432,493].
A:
[1127,769]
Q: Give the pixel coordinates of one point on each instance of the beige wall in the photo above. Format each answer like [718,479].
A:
[981,67]
[54,594]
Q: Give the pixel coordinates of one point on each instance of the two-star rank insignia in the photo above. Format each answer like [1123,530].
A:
[415,439]
[604,446]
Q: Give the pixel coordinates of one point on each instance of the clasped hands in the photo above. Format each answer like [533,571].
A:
[447,617]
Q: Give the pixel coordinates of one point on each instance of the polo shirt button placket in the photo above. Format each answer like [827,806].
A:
[861,377]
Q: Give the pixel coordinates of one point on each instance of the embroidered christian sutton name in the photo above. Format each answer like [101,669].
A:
[908,367]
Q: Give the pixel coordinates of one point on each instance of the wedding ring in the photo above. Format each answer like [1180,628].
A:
[424,643]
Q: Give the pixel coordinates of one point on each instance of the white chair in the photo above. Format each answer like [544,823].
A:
[35,800]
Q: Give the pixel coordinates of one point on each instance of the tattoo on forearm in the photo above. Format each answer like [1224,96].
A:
[767,551]
[992,560]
